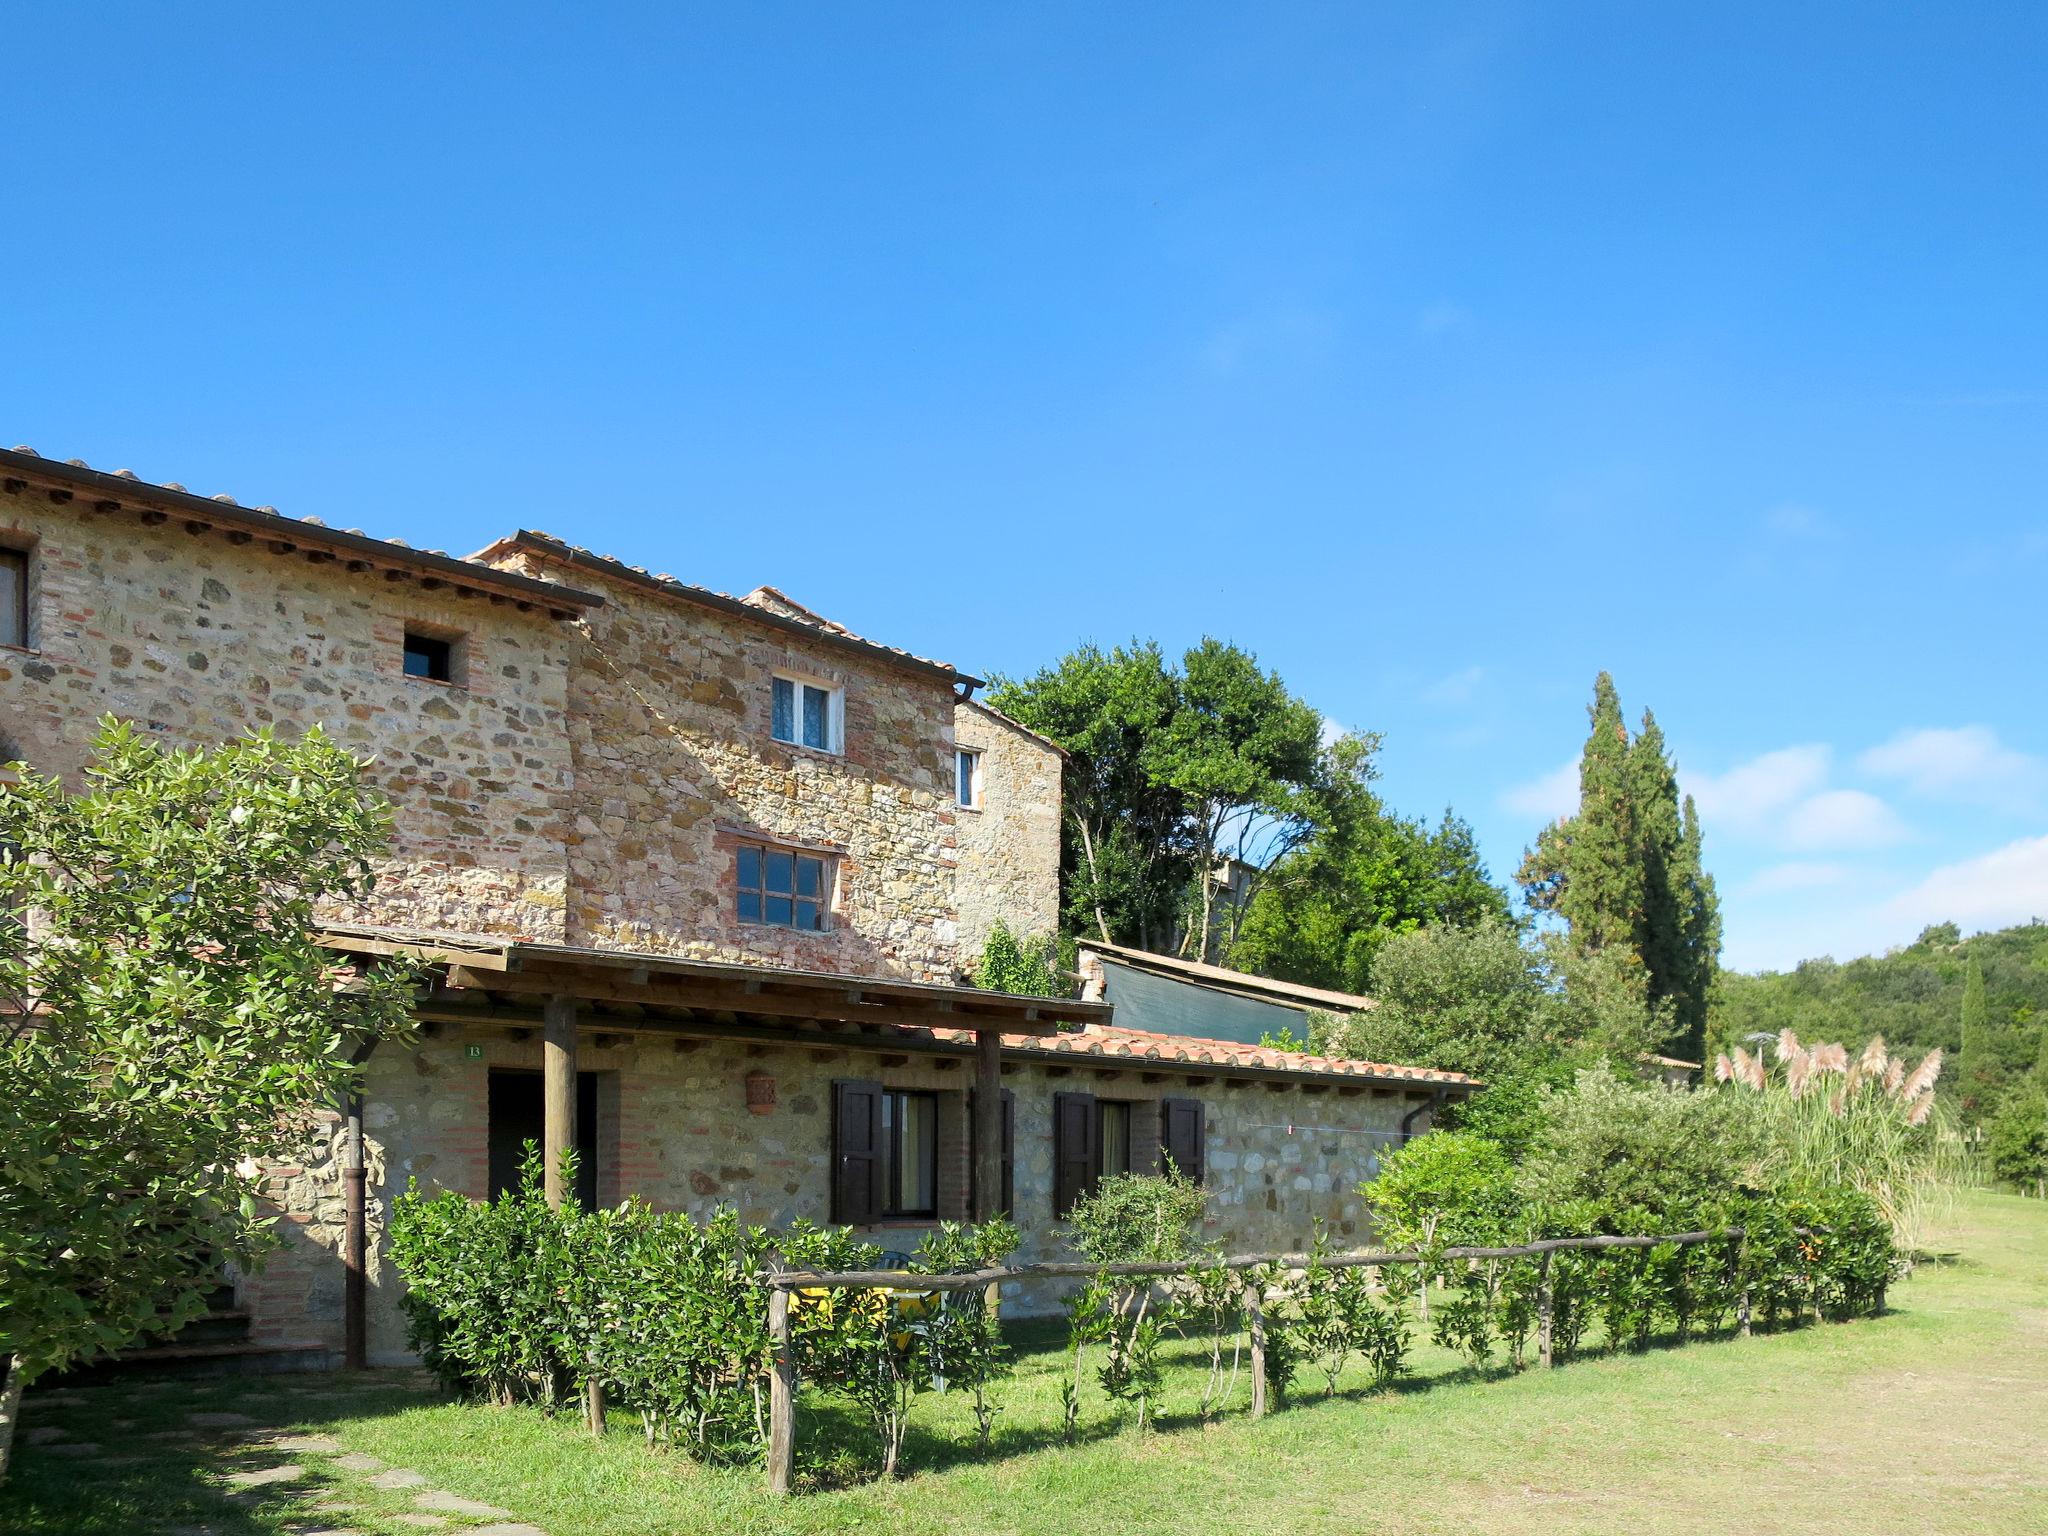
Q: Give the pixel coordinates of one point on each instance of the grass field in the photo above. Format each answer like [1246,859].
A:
[1933,1418]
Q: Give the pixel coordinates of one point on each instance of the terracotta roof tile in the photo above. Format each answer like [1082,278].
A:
[1114,1041]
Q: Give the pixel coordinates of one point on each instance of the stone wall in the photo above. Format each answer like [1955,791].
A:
[675,1127]
[1010,844]
[197,639]
[675,768]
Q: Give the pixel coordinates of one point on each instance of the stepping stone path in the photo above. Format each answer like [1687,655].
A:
[304,1445]
[452,1504]
[291,1471]
[435,1510]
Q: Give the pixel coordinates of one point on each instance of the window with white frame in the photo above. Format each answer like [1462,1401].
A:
[784,888]
[807,714]
[967,778]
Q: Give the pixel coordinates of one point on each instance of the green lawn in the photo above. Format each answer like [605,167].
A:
[1933,1418]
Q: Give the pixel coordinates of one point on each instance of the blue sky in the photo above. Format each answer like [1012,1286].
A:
[1443,355]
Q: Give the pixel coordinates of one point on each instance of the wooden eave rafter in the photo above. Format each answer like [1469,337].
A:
[158,505]
[624,978]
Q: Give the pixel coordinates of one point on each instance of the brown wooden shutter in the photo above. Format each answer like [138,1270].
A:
[1009,1154]
[857,1159]
[1183,1135]
[1074,1153]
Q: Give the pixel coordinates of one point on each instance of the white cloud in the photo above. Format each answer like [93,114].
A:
[1962,763]
[1747,797]
[1795,522]
[1842,819]
[1555,794]
[1287,335]
[1796,875]
[1994,890]
[1457,688]
[1333,731]
[1441,318]
[2008,885]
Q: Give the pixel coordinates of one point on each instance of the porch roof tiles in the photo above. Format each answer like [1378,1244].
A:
[628,990]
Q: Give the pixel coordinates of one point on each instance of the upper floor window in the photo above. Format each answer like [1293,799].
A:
[429,656]
[784,889]
[14,597]
[967,778]
[807,714]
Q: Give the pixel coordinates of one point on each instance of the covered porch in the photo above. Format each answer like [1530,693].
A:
[577,1002]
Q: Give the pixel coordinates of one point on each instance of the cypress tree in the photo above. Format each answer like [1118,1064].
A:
[1626,873]
[1699,924]
[1978,1070]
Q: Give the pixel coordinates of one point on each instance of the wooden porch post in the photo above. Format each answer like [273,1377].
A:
[988,1123]
[558,1091]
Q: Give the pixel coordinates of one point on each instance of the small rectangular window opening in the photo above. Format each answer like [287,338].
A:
[804,714]
[782,888]
[429,656]
[14,597]
[967,777]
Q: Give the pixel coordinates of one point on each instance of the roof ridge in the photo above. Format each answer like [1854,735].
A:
[590,559]
[112,490]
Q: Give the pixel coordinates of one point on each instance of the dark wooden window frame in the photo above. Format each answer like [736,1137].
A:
[430,657]
[760,894]
[897,1099]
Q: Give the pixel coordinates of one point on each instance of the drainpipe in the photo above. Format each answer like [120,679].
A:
[355,1228]
[1436,1102]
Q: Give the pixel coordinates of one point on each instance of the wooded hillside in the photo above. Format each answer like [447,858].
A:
[1915,998]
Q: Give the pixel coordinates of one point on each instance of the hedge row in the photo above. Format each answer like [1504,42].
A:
[510,1300]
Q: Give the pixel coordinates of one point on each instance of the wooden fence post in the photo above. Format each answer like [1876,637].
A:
[1255,1321]
[593,1405]
[1543,1308]
[781,1396]
[1742,1302]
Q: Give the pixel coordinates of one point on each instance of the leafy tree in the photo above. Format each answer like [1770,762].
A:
[1622,1148]
[1472,1000]
[1037,967]
[1125,862]
[1170,771]
[1323,912]
[165,1014]
[2016,1140]
[1244,753]
[1440,1190]
[1625,872]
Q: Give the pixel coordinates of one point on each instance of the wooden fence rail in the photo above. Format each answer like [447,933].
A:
[781,1283]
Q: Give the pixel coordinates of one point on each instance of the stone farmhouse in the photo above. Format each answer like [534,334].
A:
[700,878]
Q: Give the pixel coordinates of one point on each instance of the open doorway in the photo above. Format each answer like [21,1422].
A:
[518,1115]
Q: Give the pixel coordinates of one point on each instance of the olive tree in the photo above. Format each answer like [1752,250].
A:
[167,1014]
